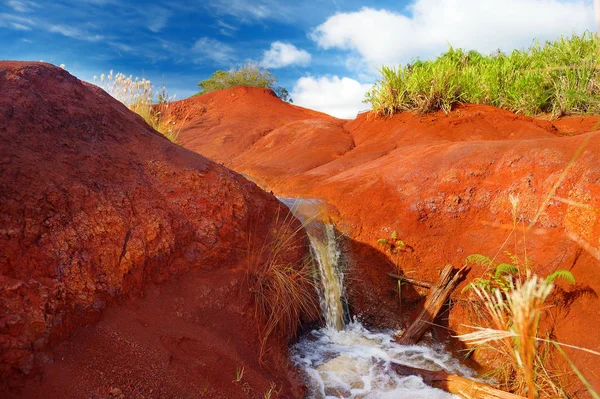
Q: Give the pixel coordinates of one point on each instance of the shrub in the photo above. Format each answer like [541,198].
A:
[561,77]
[250,74]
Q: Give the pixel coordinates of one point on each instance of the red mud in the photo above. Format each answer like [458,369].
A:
[442,181]
[96,208]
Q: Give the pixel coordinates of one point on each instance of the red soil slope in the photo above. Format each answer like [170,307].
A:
[442,181]
[95,208]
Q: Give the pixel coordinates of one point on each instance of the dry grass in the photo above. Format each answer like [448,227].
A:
[283,290]
[513,334]
[137,95]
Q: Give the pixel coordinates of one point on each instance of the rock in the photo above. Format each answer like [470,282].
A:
[94,206]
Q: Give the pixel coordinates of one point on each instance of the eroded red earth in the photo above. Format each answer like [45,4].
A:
[122,266]
[442,181]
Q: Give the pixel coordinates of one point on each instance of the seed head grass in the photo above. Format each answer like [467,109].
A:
[513,317]
[137,95]
[560,77]
[282,290]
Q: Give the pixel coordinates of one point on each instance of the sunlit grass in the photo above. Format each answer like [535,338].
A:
[559,78]
[283,291]
[137,94]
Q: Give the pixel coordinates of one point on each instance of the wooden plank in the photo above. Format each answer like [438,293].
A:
[455,384]
[438,295]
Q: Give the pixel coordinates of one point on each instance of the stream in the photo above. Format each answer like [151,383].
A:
[344,359]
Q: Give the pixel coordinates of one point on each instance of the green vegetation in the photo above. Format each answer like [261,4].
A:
[394,246]
[250,74]
[501,275]
[561,77]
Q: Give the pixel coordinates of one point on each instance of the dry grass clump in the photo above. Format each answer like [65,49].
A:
[137,95]
[514,317]
[561,77]
[283,290]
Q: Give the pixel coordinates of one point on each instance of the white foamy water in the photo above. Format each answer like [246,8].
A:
[354,363]
[349,361]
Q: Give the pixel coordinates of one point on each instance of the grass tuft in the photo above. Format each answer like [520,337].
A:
[514,318]
[137,95]
[559,78]
[283,290]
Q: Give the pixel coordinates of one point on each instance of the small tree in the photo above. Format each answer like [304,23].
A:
[250,74]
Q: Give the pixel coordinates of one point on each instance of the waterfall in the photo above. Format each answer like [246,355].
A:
[345,359]
[327,255]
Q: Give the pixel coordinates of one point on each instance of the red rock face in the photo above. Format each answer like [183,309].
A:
[442,181]
[95,205]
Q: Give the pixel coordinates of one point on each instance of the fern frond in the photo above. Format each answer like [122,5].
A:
[383,241]
[478,259]
[505,268]
[563,274]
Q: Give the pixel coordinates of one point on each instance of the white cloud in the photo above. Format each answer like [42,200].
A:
[385,37]
[250,11]
[22,5]
[156,17]
[74,33]
[338,97]
[18,26]
[15,22]
[284,54]
[225,28]
[213,50]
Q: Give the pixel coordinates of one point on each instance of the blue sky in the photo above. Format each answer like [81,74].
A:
[325,52]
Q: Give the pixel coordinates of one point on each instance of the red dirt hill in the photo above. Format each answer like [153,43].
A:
[95,208]
[442,181]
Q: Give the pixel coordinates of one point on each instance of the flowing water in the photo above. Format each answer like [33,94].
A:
[325,251]
[346,360]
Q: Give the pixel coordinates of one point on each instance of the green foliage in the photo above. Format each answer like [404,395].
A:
[502,275]
[250,74]
[565,275]
[561,77]
[478,259]
[505,269]
[392,244]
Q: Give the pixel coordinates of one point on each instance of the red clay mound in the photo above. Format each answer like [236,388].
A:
[216,120]
[443,182]
[95,205]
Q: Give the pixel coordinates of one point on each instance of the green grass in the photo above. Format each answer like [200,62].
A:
[558,78]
